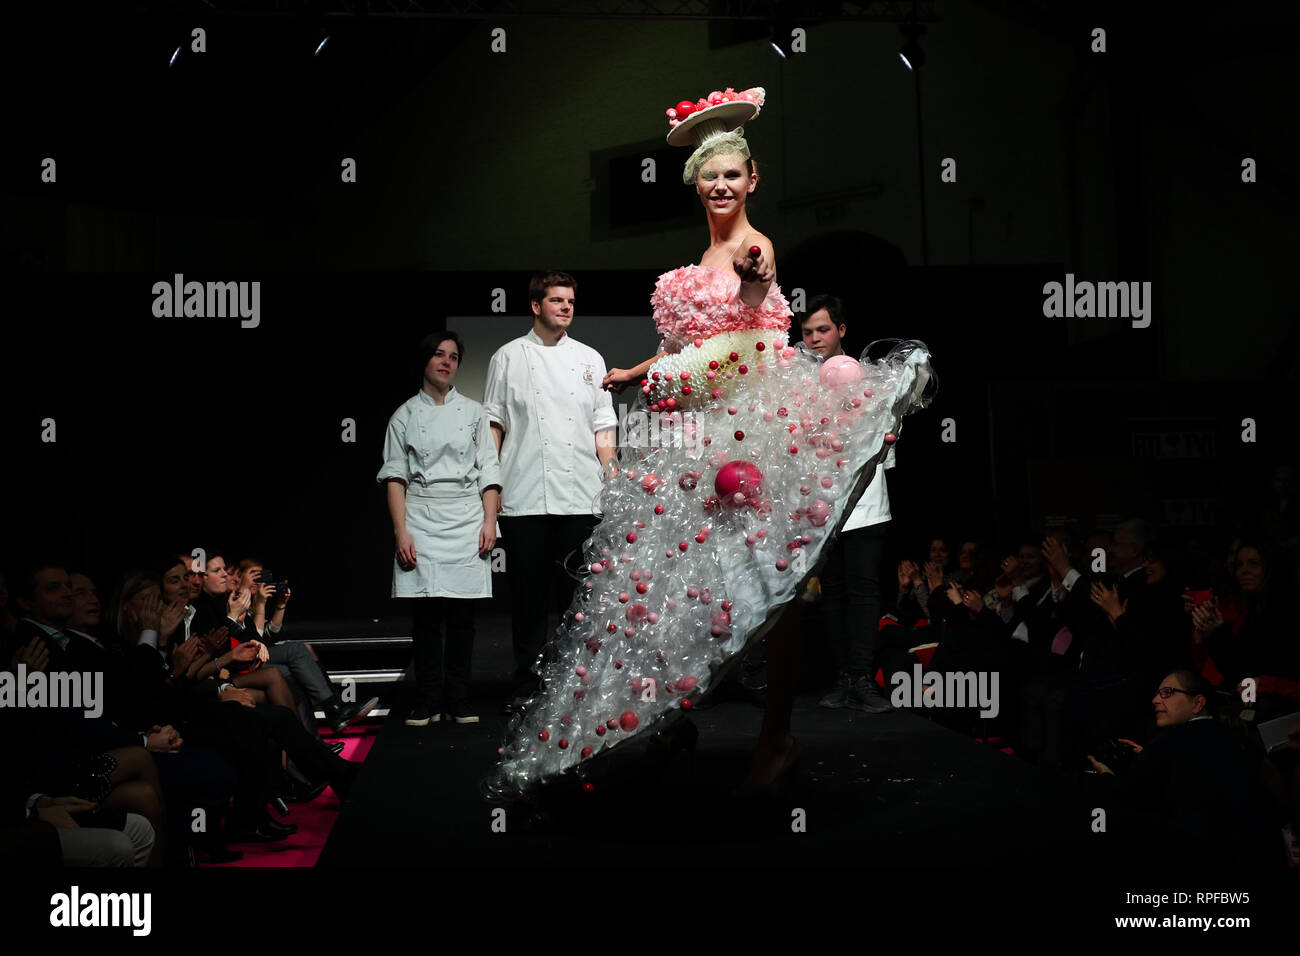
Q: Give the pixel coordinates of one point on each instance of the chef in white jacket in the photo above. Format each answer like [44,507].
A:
[444,491]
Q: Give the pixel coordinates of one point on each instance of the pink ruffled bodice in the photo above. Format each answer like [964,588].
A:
[696,302]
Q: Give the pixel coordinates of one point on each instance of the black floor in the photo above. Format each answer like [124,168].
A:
[893,790]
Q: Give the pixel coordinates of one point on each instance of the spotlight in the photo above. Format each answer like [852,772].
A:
[782,26]
[321,46]
[911,54]
[175,56]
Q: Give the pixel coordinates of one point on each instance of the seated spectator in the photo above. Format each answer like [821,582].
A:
[917,585]
[224,604]
[294,659]
[96,760]
[1191,796]
[1264,645]
[966,558]
[1052,660]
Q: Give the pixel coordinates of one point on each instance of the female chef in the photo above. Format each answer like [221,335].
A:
[444,491]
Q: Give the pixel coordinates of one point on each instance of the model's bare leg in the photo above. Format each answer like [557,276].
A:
[777,749]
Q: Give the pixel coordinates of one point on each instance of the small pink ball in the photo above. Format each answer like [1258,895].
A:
[628,721]
[782,564]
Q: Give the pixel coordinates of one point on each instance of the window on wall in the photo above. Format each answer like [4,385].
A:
[638,189]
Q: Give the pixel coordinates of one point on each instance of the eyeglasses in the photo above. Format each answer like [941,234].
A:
[1166,692]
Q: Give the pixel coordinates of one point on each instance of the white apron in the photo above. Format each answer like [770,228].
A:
[444,526]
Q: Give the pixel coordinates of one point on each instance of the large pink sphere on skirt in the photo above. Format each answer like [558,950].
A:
[840,370]
[738,477]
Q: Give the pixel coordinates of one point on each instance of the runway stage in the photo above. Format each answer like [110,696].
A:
[892,790]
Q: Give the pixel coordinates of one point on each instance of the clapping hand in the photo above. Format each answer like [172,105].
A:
[1057,558]
[973,600]
[238,603]
[186,657]
[1206,618]
[151,611]
[954,593]
[34,654]
[170,619]
[1107,599]
[933,575]
[215,639]
[908,575]
[1011,569]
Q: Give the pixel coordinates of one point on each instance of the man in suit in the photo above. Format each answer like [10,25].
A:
[1191,797]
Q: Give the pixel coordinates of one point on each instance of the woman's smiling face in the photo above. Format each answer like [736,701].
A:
[724,183]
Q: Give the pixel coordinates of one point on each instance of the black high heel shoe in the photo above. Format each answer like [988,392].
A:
[279,806]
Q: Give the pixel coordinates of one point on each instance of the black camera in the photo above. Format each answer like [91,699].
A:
[266,577]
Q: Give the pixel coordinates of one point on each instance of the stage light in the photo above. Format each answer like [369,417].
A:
[911,54]
[321,46]
[175,57]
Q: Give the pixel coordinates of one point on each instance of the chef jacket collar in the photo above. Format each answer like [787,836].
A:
[537,339]
[450,397]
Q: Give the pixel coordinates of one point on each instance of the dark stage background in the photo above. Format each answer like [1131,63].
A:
[476,168]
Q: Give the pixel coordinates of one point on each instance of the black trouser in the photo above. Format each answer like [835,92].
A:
[543,552]
[194,777]
[234,731]
[851,598]
[427,615]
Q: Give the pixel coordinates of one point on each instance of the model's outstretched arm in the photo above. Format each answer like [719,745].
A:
[619,378]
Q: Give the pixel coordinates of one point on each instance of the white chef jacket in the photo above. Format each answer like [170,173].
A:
[550,403]
[446,456]
[447,446]
[873,506]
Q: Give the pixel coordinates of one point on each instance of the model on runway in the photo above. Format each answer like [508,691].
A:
[752,457]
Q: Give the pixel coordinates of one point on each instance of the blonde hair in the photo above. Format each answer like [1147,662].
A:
[715,145]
